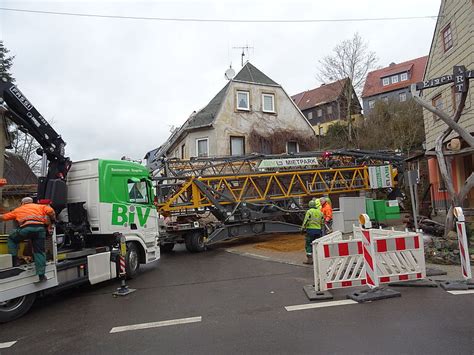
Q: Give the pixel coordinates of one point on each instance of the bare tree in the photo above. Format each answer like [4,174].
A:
[350,59]
[25,146]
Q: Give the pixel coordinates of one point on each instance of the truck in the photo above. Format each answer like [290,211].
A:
[97,201]
[197,202]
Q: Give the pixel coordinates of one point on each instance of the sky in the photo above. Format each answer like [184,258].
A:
[116,87]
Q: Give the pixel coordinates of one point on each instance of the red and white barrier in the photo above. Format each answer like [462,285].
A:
[122,265]
[463,245]
[370,257]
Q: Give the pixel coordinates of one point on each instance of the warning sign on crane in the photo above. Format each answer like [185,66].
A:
[380,177]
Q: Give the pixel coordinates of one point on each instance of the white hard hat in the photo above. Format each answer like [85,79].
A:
[26,200]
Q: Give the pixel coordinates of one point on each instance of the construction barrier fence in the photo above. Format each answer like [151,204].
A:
[368,257]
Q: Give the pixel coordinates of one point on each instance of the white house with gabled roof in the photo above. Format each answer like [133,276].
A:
[250,114]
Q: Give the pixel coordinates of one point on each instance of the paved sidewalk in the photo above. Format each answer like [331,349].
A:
[289,249]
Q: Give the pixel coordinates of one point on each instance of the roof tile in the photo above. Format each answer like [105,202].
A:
[373,84]
[323,94]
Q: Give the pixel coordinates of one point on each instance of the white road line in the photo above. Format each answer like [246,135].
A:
[7,345]
[461,292]
[164,323]
[319,305]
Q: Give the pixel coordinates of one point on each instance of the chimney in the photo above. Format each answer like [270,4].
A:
[391,64]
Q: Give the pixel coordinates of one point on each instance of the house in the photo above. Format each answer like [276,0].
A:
[392,82]
[21,182]
[327,104]
[250,114]
[452,44]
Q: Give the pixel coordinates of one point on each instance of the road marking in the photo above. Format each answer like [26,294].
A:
[7,345]
[319,305]
[461,292]
[164,323]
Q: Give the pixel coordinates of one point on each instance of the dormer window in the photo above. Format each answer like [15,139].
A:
[243,100]
[394,79]
[404,76]
[385,81]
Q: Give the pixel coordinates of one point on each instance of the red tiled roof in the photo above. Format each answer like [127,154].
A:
[373,84]
[325,93]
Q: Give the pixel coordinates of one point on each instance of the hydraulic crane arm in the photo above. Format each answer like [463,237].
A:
[19,110]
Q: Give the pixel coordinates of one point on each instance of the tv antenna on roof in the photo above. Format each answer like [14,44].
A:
[243,48]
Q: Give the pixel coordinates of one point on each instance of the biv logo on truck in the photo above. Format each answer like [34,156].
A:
[122,214]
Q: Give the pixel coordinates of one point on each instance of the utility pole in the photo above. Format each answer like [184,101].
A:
[243,48]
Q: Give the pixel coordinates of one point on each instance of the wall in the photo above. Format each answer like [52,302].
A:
[326,117]
[461,167]
[460,14]
[392,95]
[231,122]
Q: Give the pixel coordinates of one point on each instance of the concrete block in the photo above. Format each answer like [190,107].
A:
[314,295]
[5,261]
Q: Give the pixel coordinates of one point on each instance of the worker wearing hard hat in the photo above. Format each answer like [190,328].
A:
[313,221]
[33,220]
[326,209]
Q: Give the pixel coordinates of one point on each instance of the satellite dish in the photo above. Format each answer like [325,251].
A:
[229,74]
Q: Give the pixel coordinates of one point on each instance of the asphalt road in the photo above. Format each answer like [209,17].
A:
[236,304]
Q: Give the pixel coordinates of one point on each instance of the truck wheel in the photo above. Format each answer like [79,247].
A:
[195,242]
[132,263]
[15,308]
[167,247]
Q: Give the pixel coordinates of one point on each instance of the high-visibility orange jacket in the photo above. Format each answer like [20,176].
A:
[326,209]
[30,213]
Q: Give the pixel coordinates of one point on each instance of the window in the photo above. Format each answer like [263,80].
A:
[176,153]
[202,147]
[292,147]
[137,191]
[237,145]
[385,81]
[437,102]
[371,103]
[183,151]
[403,96]
[243,100]
[447,38]
[329,110]
[310,115]
[394,79]
[404,76]
[319,112]
[268,102]
[385,99]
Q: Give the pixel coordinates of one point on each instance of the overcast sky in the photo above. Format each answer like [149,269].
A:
[114,87]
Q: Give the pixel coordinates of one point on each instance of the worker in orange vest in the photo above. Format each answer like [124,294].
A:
[33,220]
[326,209]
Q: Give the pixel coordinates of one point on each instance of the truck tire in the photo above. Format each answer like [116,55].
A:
[15,308]
[166,247]
[195,242]
[132,260]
